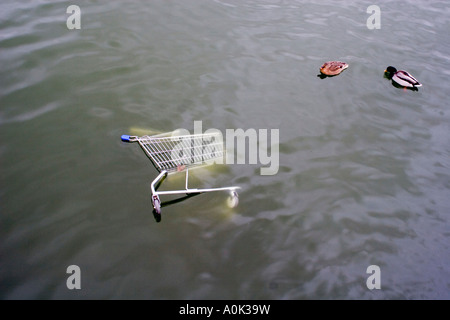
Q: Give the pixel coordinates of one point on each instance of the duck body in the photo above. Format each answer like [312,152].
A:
[402,78]
[333,68]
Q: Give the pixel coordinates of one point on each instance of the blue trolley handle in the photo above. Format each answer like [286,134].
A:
[127,138]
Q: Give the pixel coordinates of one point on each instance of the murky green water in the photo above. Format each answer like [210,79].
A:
[364,167]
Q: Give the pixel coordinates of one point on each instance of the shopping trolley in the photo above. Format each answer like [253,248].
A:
[171,153]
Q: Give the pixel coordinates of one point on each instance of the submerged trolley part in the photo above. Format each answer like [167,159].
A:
[177,153]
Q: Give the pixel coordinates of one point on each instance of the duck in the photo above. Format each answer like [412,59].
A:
[333,68]
[402,78]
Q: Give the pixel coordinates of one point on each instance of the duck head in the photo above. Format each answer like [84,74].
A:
[390,71]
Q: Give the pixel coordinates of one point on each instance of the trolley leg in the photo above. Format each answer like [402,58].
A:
[233,200]
[159,179]
[155,197]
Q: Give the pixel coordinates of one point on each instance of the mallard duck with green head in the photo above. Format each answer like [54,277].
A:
[402,78]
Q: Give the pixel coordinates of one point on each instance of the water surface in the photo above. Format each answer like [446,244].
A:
[364,167]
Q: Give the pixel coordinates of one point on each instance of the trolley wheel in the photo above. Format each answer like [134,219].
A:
[233,200]
[156,204]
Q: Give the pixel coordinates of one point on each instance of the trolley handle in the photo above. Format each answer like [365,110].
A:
[128,138]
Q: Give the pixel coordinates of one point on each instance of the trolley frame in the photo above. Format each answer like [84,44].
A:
[171,153]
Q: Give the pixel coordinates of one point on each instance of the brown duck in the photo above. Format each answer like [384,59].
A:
[333,68]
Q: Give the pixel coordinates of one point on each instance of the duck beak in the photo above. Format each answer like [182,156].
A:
[385,71]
